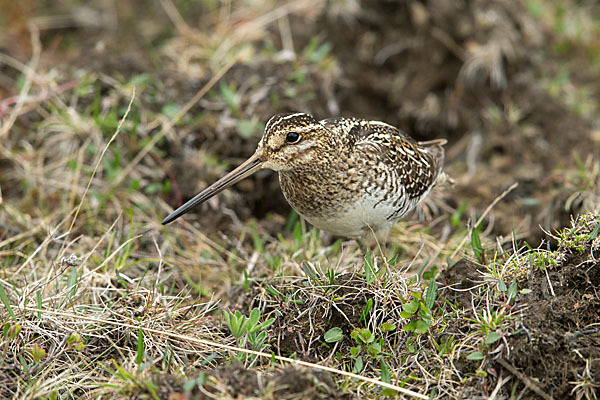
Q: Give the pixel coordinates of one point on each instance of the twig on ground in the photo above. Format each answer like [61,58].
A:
[525,379]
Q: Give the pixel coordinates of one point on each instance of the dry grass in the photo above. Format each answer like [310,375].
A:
[98,299]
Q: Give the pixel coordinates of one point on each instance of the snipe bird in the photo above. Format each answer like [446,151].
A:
[347,176]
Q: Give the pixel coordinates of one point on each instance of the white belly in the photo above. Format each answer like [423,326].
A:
[348,212]
[358,220]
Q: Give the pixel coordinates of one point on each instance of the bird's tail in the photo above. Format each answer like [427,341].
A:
[444,179]
[435,149]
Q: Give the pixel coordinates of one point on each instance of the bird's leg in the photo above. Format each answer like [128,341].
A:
[362,244]
[378,237]
[381,237]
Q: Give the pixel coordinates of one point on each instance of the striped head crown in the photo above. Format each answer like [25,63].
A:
[292,139]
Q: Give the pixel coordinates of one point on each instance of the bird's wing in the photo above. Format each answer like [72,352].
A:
[357,129]
[417,164]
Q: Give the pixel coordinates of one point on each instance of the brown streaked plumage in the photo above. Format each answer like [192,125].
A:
[347,176]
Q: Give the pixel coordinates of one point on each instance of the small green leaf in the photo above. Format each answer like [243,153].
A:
[13,331]
[431,295]
[141,80]
[189,385]
[411,307]
[72,165]
[73,338]
[135,185]
[229,94]
[297,235]
[492,337]
[411,326]
[227,318]
[385,372]
[536,8]
[424,314]
[38,300]
[72,284]
[421,326]
[526,291]
[254,316]
[38,353]
[320,53]
[355,351]
[374,349]
[152,188]
[362,335]
[265,324]
[501,286]
[244,327]
[476,355]
[430,274]
[358,365]
[457,216]
[387,327]
[333,335]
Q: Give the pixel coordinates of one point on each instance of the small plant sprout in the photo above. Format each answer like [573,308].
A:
[38,353]
[248,329]
[11,331]
[478,249]
[75,341]
[419,310]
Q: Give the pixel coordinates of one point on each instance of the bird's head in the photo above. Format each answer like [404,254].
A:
[289,141]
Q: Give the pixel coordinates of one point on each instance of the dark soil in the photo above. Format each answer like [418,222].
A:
[298,330]
[558,331]
[289,383]
[460,278]
[563,329]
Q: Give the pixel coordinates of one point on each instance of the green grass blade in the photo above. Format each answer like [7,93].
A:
[140,347]
[4,299]
[38,298]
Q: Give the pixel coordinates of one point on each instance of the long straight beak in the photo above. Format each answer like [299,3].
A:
[246,169]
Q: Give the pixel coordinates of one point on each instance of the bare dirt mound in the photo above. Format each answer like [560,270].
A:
[237,382]
[550,323]
[560,347]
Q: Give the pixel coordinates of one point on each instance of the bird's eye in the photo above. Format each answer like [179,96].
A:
[292,137]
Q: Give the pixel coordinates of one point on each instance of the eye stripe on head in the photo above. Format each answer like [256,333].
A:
[284,122]
[279,118]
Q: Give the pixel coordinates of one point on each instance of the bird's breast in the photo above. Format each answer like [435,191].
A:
[318,193]
[347,204]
